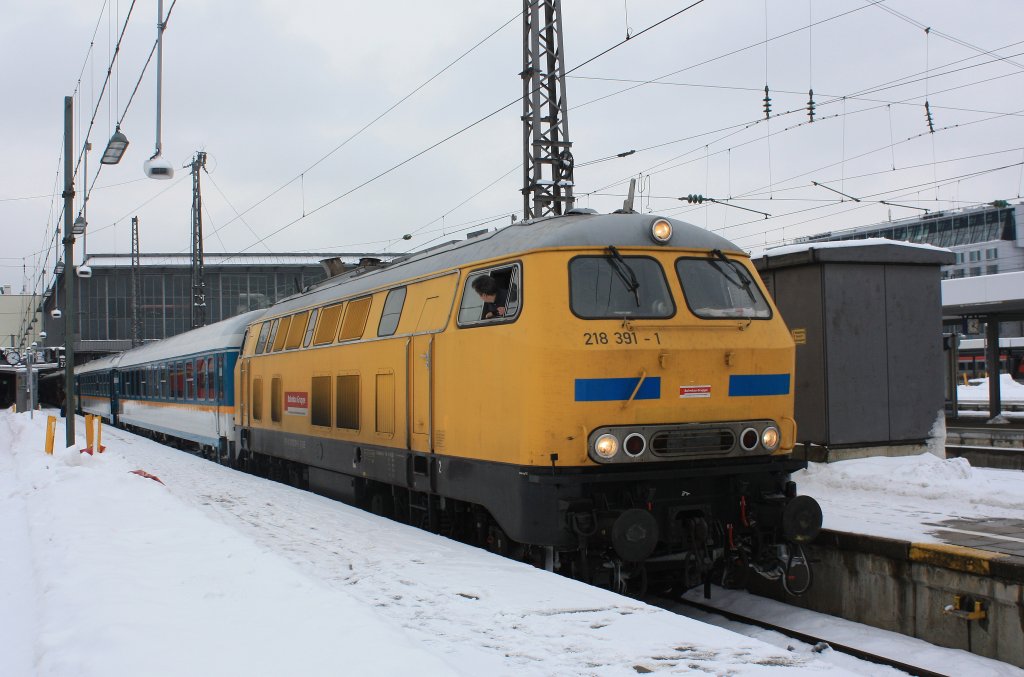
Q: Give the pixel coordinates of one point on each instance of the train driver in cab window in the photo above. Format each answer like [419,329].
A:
[494,297]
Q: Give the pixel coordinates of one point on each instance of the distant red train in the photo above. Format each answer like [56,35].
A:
[971,358]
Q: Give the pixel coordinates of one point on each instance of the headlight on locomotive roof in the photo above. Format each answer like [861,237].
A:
[661,231]
[770,438]
[606,446]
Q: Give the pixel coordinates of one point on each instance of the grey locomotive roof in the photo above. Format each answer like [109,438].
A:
[574,230]
[225,334]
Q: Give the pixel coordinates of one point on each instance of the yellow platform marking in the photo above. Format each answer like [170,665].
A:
[955,557]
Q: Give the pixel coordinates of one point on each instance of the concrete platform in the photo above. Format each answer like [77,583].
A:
[956,596]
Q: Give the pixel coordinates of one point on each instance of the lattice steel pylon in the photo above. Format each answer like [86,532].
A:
[136,285]
[198,283]
[547,151]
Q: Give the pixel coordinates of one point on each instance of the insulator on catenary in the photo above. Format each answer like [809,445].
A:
[928,118]
[810,104]
[767,103]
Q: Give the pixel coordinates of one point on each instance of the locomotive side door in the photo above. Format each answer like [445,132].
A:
[421,373]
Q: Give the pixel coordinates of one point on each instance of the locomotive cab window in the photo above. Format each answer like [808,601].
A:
[614,286]
[491,295]
[392,312]
[717,287]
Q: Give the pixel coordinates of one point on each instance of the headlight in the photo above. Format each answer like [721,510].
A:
[661,231]
[606,446]
[748,439]
[770,438]
[634,445]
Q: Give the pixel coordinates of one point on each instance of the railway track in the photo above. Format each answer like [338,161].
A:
[815,640]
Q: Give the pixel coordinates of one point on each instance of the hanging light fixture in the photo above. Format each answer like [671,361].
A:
[115,148]
[78,227]
[156,167]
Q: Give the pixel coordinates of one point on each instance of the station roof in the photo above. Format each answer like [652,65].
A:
[180,260]
[1001,294]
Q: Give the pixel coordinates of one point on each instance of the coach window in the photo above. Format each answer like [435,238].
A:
[190,383]
[613,286]
[310,327]
[719,288]
[327,329]
[261,342]
[392,312]
[296,330]
[500,304]
[220,378]
[355,319]
[201,378]
[179,380]
[257,399]
[212,382]
[165,382]
[275,399]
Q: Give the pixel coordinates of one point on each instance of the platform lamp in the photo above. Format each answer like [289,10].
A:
[115,148]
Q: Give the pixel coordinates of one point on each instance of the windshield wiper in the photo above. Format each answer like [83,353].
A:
[625,272]
[741,279]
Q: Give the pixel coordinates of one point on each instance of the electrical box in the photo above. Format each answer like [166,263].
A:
[866,316]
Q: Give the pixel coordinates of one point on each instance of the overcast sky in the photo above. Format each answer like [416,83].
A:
[269,88]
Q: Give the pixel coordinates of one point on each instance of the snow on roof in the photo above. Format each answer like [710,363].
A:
[840,244]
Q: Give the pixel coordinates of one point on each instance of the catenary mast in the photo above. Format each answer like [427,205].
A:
[547,151]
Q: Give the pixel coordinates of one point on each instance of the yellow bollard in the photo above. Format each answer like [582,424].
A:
[97,437]
[88,432]
[51,426]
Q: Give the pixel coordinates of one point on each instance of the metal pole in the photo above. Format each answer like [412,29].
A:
[28,385]
[159,67]
[69,275]
[995,405]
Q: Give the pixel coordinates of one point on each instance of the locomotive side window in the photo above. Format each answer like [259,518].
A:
[614,286]
[275,399]
[257,399]
[496,299]
[296,330]
[320,410]
[261,342]
[718,288]
[392,312]
[309,330]
[328,326]
[355,319]
[347,402]
[282,333]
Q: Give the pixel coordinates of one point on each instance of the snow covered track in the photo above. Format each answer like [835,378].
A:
[109,573]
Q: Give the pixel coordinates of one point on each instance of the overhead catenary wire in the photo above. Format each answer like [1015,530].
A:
[459,132]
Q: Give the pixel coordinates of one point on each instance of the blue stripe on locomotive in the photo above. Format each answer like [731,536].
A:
[756,385]
[611,389]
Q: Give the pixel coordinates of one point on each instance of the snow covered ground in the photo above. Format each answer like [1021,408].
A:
[905,497]
[104,572]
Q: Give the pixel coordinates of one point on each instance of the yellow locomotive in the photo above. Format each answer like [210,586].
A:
[609,395]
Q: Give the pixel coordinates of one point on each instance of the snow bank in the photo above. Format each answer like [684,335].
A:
[976,390]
